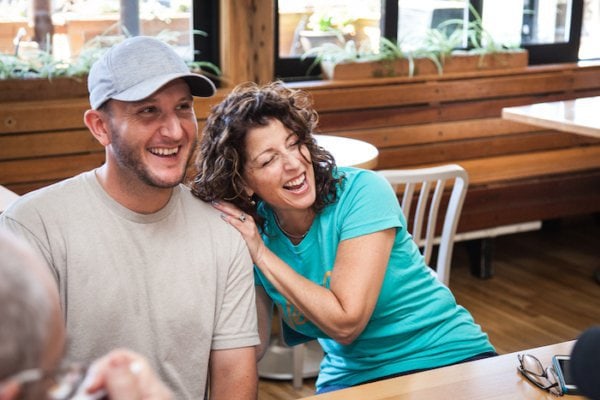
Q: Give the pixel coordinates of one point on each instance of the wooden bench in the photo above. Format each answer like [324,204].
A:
[518,173]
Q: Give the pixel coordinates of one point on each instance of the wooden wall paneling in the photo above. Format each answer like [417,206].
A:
[376,118]
[47,144]
[338,122]
[530,200]
[586,79]
[203,105]
[360,97]
[490,170]
[47,168]
[450,151]
[505,86]
[32,116]
[26,187]
[375,95]
[437,132]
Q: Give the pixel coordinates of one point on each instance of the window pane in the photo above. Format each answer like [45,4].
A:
[550,21]
[504,20]
[590,32]
[304,24]
[76,22]
[416,17]
[514,22]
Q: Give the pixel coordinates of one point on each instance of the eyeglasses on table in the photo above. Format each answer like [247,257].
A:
[544,378]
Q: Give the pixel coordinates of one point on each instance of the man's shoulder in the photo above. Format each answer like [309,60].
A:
[195,205]
[205,218]
[57,194]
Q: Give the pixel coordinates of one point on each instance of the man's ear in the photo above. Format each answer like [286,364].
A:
[95,121]
[9,390]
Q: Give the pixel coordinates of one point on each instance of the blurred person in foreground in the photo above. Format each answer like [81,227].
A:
[139,262]
[32,339]
[329,243]
[585,362]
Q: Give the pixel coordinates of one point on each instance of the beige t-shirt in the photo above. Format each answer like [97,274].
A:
[171,285]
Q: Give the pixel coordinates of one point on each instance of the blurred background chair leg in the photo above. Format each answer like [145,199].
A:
[293,363]
[298,353]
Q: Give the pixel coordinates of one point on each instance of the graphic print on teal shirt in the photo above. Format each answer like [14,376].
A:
[416,322]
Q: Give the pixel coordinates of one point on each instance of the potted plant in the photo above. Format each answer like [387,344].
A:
[437,53]
[44,77]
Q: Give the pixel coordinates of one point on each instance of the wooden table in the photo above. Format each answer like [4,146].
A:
[6,198]
[581,116]
[350,152]
[490,378]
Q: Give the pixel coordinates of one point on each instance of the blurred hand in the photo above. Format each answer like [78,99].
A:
[126,375]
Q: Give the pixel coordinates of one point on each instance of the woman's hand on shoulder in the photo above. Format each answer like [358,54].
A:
[246,225]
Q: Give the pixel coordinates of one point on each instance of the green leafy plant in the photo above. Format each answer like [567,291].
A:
[437,45]
[480,40]
[44,65]
[387,53]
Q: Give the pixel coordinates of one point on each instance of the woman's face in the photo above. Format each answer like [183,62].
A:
[278,169]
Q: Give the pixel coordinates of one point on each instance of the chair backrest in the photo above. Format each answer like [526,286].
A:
[431,184]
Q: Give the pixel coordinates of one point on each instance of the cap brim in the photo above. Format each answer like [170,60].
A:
[200,86]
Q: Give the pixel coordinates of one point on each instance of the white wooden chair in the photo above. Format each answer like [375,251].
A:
[430,184]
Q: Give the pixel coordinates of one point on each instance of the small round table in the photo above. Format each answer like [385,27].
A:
[349,152]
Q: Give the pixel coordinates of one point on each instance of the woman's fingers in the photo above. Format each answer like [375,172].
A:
[233,215]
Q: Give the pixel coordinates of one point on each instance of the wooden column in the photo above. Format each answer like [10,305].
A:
[42,23]
[247,44]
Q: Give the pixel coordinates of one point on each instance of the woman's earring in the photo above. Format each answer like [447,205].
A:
[251,200]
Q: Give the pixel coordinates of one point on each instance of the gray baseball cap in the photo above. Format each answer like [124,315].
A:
[137,67]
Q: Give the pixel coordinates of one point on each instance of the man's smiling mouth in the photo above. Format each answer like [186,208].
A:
[164,151]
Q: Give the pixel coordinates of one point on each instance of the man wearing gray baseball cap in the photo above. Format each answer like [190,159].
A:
[139,262]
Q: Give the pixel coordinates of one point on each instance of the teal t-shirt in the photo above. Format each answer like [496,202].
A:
[416,322]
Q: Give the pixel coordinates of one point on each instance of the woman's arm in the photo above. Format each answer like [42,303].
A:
[342,311]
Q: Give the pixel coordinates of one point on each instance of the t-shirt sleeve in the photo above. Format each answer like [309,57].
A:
[369,205]
[25,222]
[236,324]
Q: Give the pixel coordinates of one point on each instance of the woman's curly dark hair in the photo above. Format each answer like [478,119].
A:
[221,155]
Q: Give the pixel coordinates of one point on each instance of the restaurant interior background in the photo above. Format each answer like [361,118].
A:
[514,306]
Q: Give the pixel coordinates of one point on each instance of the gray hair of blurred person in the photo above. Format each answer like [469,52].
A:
[25,309]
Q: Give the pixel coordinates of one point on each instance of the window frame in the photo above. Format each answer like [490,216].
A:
[560,52]
[206,17]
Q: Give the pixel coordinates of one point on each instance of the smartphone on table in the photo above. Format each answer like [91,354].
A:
[561,364]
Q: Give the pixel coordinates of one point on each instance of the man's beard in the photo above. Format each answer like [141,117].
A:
[128,159]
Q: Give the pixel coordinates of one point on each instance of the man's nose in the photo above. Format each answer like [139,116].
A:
[171,127]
